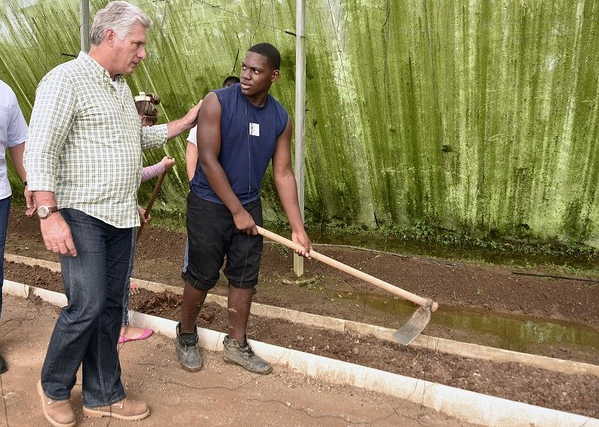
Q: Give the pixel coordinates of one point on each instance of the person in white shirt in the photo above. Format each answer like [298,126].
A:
[13,133]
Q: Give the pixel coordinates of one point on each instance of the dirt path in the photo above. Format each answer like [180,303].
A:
[571,393]
[219,395]
[483,290]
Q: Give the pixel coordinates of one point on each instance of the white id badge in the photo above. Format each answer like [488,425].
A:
[254,129]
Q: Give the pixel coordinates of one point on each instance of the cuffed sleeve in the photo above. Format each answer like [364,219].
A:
[153,136]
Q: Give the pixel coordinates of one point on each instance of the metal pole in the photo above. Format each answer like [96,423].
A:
[84,28]
[300,108]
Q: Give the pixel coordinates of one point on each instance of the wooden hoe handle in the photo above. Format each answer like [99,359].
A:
[416,299]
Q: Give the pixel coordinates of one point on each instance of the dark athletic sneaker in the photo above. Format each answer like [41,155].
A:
[244,357]
[3,366]
[188,350]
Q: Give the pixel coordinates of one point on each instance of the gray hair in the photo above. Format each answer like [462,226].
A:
[118,16]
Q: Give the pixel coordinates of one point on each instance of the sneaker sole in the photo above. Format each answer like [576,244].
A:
[188,369]
[233,362]
[40,391]
[95,413]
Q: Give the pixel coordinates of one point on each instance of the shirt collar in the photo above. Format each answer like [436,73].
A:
[95,68]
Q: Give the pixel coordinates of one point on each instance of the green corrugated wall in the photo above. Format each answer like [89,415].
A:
[474,115]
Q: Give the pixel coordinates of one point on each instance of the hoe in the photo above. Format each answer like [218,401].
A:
[413,327]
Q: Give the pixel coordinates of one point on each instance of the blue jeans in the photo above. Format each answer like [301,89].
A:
[87,330]
[4,211]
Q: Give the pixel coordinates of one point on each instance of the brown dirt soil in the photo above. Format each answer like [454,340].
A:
[219,395]
[481,290]
[572,393]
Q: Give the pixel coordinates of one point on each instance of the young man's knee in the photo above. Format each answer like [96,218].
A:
[198,284]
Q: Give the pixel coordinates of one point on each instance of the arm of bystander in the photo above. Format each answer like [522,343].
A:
[156,169]
[191,153]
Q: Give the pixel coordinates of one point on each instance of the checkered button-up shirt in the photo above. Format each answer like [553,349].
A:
[85,142]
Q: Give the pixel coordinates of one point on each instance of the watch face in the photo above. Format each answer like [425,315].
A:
[43,211]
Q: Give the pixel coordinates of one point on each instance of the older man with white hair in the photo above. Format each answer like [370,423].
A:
[84,163]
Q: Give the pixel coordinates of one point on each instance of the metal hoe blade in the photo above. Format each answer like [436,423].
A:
[414,327]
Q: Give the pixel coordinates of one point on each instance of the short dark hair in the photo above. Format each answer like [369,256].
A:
[271,52]
[230,80]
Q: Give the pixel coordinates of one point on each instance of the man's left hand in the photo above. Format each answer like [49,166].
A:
[185,123]
[191,118]
[302,238]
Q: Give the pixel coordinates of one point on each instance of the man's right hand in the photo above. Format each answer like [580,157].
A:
[57,235]
[245,223]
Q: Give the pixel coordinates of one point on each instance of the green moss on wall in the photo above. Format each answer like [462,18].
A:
[468,115]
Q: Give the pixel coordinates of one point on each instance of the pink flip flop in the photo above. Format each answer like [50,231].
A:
[147,333]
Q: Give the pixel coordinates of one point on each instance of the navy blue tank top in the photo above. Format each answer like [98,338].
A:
[248,140]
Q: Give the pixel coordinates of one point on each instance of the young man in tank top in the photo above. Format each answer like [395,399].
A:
[240,130]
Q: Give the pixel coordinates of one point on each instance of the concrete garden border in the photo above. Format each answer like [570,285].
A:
[473,351]
[466,405]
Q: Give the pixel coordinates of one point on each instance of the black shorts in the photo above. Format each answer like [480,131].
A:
[212,235]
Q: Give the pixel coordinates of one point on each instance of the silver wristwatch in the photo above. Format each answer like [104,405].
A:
[45,211]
